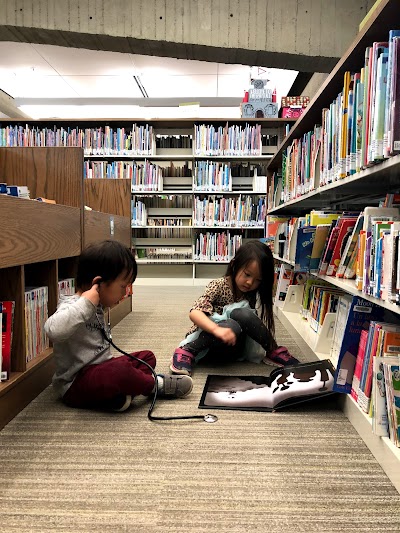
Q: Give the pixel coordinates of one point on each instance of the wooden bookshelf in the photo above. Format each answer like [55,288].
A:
[111,196]
[101,226]
[110,218]
[53,173]
[40,243]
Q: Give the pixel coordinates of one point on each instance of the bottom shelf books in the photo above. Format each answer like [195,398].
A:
[6,328]
[386,398]
[284,387]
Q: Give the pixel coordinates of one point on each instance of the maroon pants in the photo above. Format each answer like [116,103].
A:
[105,385]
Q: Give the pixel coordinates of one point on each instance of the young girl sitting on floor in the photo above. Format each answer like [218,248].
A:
[224,317]
[87,375]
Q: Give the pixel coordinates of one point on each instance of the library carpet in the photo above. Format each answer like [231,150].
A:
[292,471]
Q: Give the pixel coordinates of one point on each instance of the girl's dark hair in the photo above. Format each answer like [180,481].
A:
[260,252]
[107,259]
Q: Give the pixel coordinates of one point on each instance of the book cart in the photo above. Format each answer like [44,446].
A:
[349,192]
[40,243]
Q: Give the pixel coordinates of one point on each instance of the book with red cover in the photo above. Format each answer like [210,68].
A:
[359,364]
[394,125]
[327,254]
[346,226]
[7,310]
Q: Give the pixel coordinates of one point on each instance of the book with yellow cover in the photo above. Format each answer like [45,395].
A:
[360,259]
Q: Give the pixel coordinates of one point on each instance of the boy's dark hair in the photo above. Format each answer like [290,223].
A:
[260,252]
[107,259]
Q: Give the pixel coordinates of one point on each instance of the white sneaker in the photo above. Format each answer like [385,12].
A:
[125,406]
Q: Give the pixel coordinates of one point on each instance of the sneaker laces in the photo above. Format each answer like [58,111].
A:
[182,358]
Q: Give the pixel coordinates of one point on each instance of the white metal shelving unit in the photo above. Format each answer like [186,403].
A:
[361,188]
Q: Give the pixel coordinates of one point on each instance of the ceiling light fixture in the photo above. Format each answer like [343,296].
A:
[141,86]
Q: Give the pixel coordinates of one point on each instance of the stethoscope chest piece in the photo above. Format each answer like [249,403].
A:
[210,418]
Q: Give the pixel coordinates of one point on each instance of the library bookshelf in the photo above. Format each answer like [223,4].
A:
[352,192]
[40,246]
[174,201]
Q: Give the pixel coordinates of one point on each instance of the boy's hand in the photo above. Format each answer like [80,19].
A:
[226,335]
[93,294]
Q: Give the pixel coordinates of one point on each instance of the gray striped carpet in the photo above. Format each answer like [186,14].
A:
[304,470]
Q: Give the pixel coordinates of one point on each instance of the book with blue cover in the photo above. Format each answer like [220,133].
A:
[304,245]
[359,317]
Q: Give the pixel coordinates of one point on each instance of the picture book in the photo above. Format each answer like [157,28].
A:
[7,312]
[391,76]
[304,245]
[327,254]
[372,214]
[284,387]
[394,248]
[390,342]
[322,217]
[283,283]
[273,224]
[394,121]
[380,421]
[355,386]
[386,266]
[392,389]
[346,226]
[349,247]
[321,233]
[359,266]
[375,347]
[360,314]
[350,272]
[342,313]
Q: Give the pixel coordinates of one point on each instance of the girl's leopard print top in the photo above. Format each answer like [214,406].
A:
[217,294]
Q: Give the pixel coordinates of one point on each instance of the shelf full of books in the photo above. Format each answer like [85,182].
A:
[213,200]
[350,144]
[142,139]
[335,202]
[194,229]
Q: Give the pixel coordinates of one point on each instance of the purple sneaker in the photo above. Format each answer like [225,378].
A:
[182,362]
[281,356]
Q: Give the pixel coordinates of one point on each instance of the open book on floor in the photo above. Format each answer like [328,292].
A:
[282,388]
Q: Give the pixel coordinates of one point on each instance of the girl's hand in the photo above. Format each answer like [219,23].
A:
[93,294]
[226,335]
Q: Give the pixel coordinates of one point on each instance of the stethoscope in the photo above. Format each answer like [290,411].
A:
[206,418]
